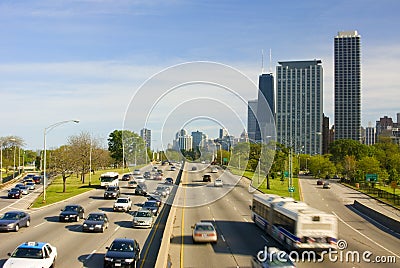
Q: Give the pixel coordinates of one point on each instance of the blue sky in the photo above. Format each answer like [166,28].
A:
[85,59]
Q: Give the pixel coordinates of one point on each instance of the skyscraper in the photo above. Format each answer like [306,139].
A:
[197,139]
[347,61]
[265,105]
[146,136]
[299,105]
[251,119]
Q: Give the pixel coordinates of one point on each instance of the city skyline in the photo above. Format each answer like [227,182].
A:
[85,59]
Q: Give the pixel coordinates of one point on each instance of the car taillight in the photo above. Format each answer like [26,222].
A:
[196,234]
[211,234]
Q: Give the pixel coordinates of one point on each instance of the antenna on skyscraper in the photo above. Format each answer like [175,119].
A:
[270,60]
[262,61]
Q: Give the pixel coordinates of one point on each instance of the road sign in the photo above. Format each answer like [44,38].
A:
[286,173]
[393,184]
[371,177]
[291,189]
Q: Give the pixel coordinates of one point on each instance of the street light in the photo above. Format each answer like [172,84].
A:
[47,130]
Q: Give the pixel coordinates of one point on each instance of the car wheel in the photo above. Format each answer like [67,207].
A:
[16,228]
[28,223]
[102,229]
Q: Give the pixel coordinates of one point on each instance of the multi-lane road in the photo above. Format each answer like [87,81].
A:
[75,248]
[194,200]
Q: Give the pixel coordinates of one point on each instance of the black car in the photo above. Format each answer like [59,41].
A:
[15,193]
[112,192]
[154,198]
[169,181]
[146,175]
[13,220]
[127,177]
[96,222]
[72,213]
[37,179]
[206,178]
[152,206]
[123,252]
[141,189]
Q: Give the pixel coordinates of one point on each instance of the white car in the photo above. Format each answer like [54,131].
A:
[143,218]
[136,172]
[32,254]
[218,183]
[214,170]
[140,179]
[122,204]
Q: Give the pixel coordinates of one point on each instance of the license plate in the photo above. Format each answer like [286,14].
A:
[204,235]
[117,264]
[91,228]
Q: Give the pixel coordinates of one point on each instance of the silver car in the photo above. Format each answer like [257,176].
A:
[143,219]
[204,232]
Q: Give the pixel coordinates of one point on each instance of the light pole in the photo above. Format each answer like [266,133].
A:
[14,162]
[90,163]
[47,130]
[1,162]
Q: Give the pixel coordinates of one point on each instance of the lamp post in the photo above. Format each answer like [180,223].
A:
[47,130]
[14,162]
[1,162]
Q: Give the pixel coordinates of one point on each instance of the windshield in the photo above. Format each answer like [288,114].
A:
[10,216]
[150,204]
[70,208]
[143,214]
[95,217]
[107,179]
[204,228]
[122,200]
[32,253]
[122,246]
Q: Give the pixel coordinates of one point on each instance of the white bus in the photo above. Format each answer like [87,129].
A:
[109,179]
[294,224]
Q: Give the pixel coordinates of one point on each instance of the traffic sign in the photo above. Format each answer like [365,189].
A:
[286,173]
[371,177]
[291,189]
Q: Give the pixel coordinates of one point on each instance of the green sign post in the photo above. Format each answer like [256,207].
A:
[291,189]
[371,177]
[286,173]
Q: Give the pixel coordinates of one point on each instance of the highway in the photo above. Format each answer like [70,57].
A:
[239,238]
[75,248]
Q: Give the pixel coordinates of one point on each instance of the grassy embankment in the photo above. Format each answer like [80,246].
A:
[74,186]
[276,185]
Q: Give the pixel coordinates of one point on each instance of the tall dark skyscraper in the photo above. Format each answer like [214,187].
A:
[347,86]
[265,104]
[251,120]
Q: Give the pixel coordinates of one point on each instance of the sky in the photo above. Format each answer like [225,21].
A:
[88,59]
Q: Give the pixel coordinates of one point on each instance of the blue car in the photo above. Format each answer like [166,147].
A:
[13,220]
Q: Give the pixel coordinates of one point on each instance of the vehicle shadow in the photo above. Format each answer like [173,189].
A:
[96,197]
[77,228]
[94,260]
[124,224]
[106,209]
[52,219]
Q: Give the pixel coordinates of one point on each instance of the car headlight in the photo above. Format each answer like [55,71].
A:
[135,221]
[10,225]
[107,259]
[85,225]
[98,226]
[128,260]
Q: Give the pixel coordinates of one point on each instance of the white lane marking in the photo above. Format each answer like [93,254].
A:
[246,220]
[263,237]
[39,224]
[116,228]
[223,238]
[91,254]
[370,239]
[208,207]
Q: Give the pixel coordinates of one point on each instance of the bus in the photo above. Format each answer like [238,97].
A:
[109,179]
[295,225]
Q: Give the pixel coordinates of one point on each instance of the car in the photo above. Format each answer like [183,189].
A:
[152,206]
[32,254]
[26,179]
[194,168]
[319,182]
[72,213]
[147,175]
[155,168]
[204,232]
[24,189]
[136,172]
[37,179]
[218,183]
[123,252]
[206,178]
[122,204]
[112,192]
[154,198]
[14,193]
[326,185]
[132,184]
[14,220]
[96,222]
[157,177]
[140,179]
[214,170]
[160,172]
[30,185]
[173,168]
[273,258]
[127,177]
[169,180]
[141,189]
[143,218]
[19,185]
[162,191]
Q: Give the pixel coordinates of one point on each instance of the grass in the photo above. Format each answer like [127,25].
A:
[74,186]
[276,185]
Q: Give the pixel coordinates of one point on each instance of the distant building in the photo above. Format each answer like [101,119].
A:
[146,136]
[370,135]
[197,138]
[222,132]
[251,120]
[326,140]
[265,106]
[183,141]
[347,69]
[299,92]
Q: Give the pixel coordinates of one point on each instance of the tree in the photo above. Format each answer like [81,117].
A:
[342,148]
[62,163]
